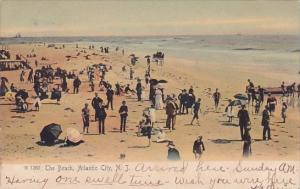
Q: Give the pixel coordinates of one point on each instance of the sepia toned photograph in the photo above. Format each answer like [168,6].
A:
[149,81]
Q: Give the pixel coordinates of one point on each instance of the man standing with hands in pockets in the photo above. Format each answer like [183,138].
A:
[123,111]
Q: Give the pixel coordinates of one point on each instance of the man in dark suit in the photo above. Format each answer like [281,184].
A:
[265,122]
[110,95]
[76,84]
[95,103]
[244,120]
[101,115]
[139,89]
[171,109]
[123,111]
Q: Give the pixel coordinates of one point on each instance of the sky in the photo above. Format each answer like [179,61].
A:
[148,17]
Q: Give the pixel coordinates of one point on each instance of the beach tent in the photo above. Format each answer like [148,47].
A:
[50,133]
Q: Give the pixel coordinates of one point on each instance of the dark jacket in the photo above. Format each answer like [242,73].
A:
[265,118]
[96,101]
[123,108]
[101,113]
[196,107]
[171,108]
[243,117]
[138,88]
[109,94]
[76,82]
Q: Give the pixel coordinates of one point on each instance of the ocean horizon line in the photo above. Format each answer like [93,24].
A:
[142,36]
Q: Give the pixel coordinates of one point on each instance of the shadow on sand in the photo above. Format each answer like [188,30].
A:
[59,141]
[138,146]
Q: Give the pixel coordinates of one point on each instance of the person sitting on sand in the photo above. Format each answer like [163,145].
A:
[128,89]
[198,147]
[161,136]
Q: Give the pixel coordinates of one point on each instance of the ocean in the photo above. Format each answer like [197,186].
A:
[270,49]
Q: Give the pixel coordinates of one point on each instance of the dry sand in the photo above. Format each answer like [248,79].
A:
[20,131]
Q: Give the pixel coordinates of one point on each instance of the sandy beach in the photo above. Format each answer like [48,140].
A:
[20,132]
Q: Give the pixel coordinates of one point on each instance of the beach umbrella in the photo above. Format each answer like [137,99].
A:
[235,103]
[241,97]
[153,81]
[162,81]
[73,135]
[50,132]
[159,85]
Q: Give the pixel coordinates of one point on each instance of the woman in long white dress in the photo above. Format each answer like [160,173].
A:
[158,99]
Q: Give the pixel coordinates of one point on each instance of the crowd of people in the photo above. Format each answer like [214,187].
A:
[182,104]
